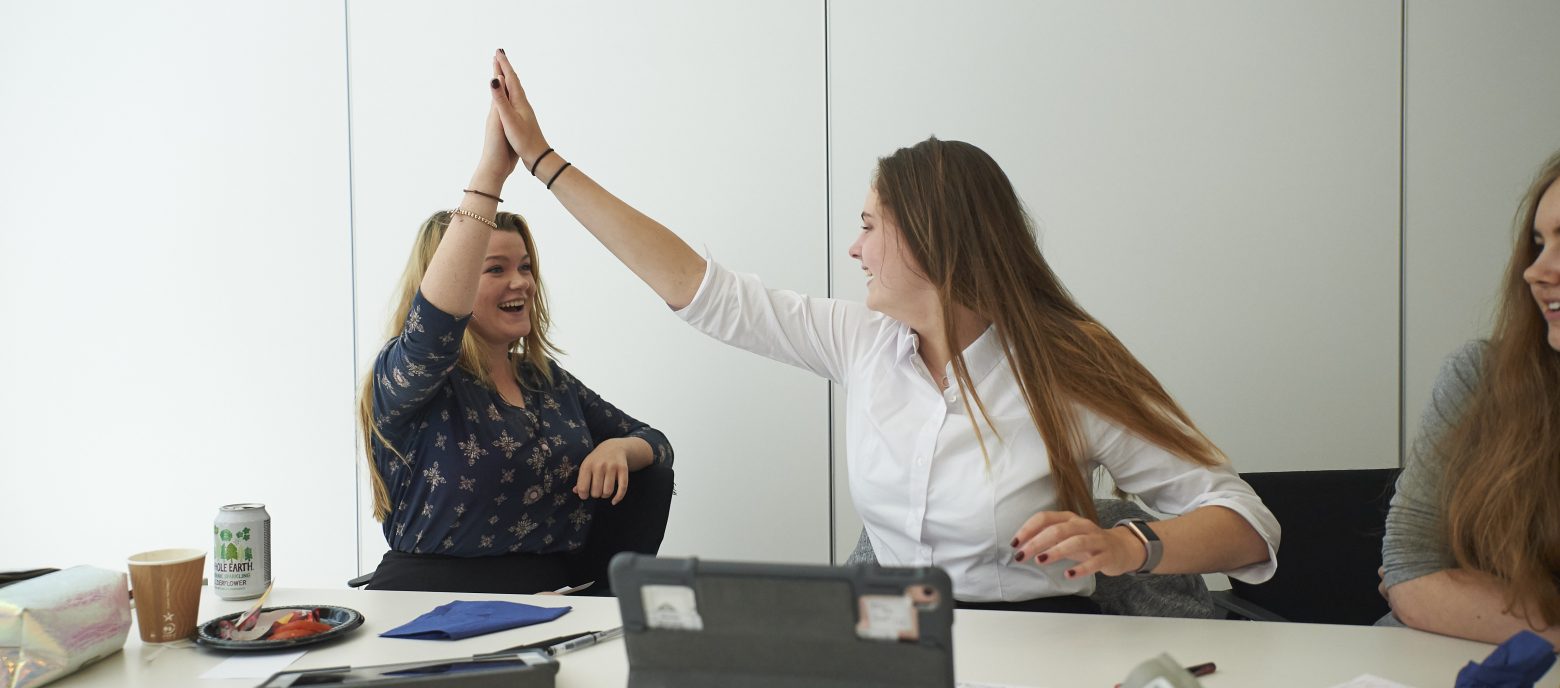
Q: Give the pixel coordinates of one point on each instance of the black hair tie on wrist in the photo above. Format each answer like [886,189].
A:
[544,154]
[555,174]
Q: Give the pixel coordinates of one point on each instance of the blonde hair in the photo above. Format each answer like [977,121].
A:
[963,224]
[1502,455]
[534,348]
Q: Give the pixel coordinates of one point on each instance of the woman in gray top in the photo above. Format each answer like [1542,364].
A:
[1472,546]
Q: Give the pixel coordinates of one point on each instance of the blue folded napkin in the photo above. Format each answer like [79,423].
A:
[1517,663]
[461,619]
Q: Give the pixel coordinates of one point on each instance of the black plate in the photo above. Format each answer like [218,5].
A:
[342,620]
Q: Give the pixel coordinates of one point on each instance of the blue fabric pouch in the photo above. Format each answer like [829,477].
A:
[462,619]
[1517,663]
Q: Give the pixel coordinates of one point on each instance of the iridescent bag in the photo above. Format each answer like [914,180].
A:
[55,624]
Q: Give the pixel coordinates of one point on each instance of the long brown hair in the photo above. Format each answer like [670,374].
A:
[965,227]
[535,348]
[1502,455]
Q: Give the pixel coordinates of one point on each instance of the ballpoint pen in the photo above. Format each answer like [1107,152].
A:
[538,645]
[584,641]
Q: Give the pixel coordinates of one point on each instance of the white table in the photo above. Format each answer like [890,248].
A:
[1019,648]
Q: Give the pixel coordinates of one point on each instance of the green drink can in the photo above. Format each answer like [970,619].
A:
[241,551]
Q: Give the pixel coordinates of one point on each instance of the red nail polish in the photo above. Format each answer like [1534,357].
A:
[1018,556]
[493,83]
[1015,543]
[1042,558]
[1071,573]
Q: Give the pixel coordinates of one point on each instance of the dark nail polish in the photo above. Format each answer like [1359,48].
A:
[493,83]
[1071,573]
[1018,556]
[1042,558]
[927,590]
[1015,543]
[501,51]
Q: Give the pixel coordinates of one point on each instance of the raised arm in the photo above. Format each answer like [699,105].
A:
[450,283]
[659,257]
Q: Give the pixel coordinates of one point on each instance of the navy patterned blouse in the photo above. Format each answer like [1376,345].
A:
[480,476]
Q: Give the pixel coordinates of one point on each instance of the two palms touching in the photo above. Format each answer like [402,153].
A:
[513,134]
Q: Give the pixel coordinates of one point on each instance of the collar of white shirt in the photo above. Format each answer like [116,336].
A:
[980,357]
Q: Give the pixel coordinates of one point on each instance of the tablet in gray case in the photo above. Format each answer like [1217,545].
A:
[701,624]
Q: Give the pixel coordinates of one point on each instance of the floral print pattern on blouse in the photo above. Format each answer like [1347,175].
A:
[479,476]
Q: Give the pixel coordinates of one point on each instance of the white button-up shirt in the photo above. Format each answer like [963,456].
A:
[926,494]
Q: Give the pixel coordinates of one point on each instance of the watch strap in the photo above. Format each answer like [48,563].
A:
[1151,543]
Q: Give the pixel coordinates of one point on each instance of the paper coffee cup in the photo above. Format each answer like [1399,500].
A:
[166,585]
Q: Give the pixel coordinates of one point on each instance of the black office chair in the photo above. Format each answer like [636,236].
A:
[636,524]
[1333,522]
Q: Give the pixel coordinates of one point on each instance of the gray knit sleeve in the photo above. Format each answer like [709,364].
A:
[1415,544]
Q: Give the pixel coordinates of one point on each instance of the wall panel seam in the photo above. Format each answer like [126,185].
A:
[357,466]
[1402,377]
[828,272]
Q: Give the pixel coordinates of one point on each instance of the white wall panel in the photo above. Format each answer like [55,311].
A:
[1216,181]
[174,280]
[1483,112]
[706,115]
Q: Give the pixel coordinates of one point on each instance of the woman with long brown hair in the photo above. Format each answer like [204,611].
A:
[1472,547]
[493,468]
[979,393]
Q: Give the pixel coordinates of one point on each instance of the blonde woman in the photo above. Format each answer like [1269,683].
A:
[979,394]
[494,469]
[1472,547]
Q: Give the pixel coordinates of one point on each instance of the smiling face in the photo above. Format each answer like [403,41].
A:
[1543,276]
[502,314]
[895,286]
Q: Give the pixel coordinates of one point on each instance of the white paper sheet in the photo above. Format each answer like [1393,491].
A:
[1369,681]
[253,666]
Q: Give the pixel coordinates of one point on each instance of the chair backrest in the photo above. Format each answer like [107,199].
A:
[1333,522]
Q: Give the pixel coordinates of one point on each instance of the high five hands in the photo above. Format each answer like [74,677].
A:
[518,120]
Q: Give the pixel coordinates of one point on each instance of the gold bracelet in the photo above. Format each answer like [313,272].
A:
[474,216]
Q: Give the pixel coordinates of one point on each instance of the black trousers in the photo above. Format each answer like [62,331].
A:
[636,524]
